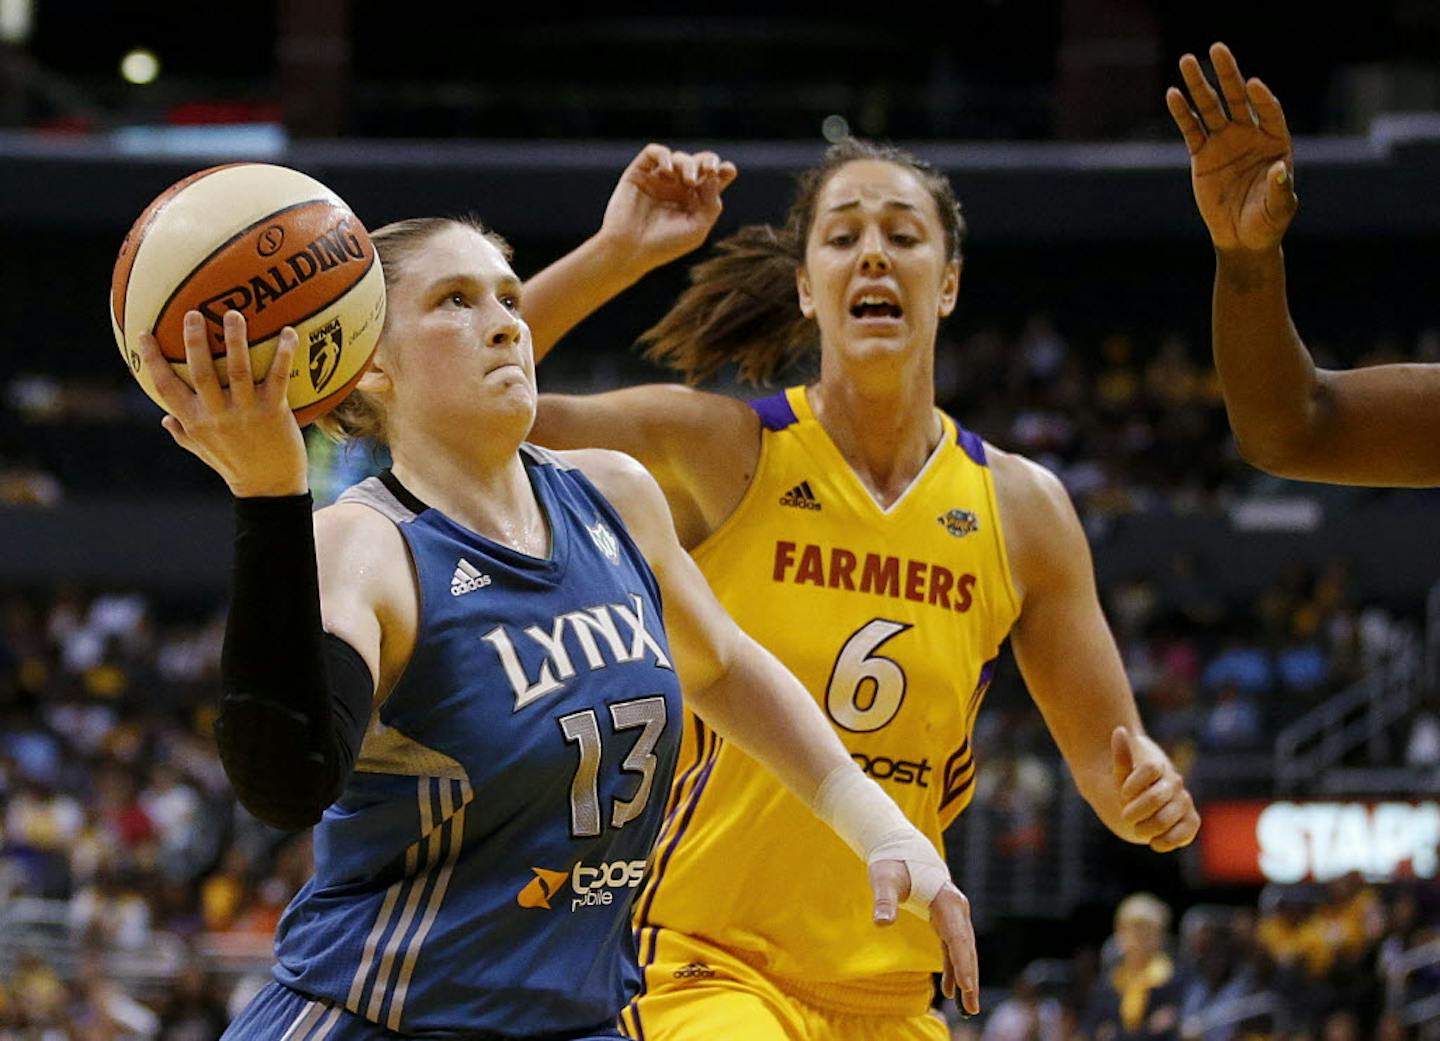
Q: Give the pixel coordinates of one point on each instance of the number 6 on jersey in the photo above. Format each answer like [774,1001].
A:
[859,669]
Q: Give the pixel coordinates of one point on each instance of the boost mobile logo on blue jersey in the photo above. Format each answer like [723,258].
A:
[591,886]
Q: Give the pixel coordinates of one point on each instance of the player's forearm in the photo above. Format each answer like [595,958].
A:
[1267,375]
[567,292]
[763,709]
[290,724]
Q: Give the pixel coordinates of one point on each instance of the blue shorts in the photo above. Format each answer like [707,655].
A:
[278,1013]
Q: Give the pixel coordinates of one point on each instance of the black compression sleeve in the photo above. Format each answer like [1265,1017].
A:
[295,700]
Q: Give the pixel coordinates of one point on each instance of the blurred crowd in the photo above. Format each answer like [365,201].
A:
[126,870]
[1345,961]
[115,811]
[1131,423]
[137,900]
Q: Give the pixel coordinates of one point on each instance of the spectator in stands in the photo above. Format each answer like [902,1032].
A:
[40,824]
[1241,661]
[193,1011]
[1235,723]
[1391,1027]
[100,1007]
[226,892]
[1139,998]
[1017,1018]
[1296,938]
[175,808]
[1341,1026]
[1026,1015]
[1422,745]
[1214,982]
[111,911]
[39,995]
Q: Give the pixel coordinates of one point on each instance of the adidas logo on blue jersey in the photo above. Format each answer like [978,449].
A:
[467,578]
[801,497]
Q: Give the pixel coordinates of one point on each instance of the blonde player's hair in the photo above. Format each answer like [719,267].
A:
[360,415]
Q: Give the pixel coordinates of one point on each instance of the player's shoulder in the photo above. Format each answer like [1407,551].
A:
[1025,488]
[667,406]
[616,475]
[1043,535]
[359,534]
[350,519]
[630,489]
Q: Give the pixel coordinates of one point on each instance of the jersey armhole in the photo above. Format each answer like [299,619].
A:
[397,520]
[752,490]
[1001,552]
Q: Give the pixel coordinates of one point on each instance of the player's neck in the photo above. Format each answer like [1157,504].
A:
[491,497]
[886,434]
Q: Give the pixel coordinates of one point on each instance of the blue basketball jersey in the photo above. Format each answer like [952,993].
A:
[477,873]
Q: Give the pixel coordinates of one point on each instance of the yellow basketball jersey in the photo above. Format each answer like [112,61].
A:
[892,618]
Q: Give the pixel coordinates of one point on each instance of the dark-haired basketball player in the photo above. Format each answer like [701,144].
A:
[475,700]
[880,550]
[1378,425]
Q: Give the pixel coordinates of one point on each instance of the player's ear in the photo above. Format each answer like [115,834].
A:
[949,288]
[802,288]
[377,380]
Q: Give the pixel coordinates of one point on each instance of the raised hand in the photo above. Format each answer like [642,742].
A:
[949,916]
[244,431]
[665,205]
[1241,165]
[1155,804]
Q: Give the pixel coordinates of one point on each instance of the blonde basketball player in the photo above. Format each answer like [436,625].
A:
[875,546]
[479,834]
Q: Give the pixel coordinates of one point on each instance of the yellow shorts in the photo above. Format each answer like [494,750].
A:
[695,991]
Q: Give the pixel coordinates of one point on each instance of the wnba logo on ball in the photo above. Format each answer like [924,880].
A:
[325,346]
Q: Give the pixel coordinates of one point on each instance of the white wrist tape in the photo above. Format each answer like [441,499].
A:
[874,827]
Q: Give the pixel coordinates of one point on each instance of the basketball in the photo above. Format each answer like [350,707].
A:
[271,243]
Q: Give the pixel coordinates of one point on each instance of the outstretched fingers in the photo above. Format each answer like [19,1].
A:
[1268,111]
[1185,119]
[1232,84]
[1206,101]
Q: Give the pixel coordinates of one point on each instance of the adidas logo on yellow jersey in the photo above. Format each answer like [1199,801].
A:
[800,497]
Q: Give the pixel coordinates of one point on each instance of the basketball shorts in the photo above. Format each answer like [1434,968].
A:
[695,991]
[278,1013]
